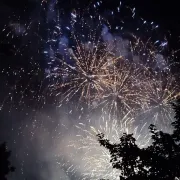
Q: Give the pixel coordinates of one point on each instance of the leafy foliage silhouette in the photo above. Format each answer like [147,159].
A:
[159,161]
[5,165]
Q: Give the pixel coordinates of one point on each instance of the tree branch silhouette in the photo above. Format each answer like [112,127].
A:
[160,160]
[5,165]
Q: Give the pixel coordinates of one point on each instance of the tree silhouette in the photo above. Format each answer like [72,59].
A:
[163,158]
[5,165]
[176,124]
[160,160]
[126,156]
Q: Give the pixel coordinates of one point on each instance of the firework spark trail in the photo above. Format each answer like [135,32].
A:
[95,72]
[94,159]
[124,89]
[87,74]
[89,77]
[160,92]
[148,52]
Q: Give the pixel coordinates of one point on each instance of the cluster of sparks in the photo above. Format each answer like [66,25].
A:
[125,79]
[115,75]
[94,159]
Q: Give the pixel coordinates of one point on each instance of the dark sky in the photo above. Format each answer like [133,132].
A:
[165,13]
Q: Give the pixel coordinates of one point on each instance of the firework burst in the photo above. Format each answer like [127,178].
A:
[160,92]
[124,88]
[83,68]
[94,159]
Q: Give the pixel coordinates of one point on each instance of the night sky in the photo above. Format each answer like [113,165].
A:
[34,121]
